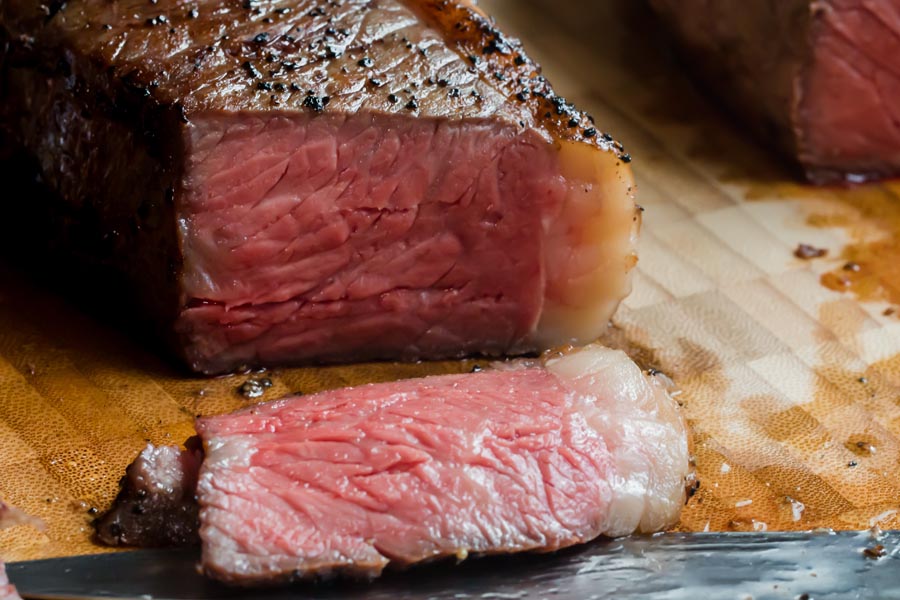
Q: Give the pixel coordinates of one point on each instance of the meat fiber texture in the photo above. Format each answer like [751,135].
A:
[528,458]
[289,181]
[818,78]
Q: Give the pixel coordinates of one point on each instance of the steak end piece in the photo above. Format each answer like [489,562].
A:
[391,180]
[156,506]
[816,78]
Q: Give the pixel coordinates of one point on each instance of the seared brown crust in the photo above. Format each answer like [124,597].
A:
[303,55]
[502,60]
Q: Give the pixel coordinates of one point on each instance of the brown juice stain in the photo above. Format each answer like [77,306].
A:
[870,215]
[766,463]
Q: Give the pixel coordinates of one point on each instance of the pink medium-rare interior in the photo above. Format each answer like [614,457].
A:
[363,236]
[407,471]
[849,111]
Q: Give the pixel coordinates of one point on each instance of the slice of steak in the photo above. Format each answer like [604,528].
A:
[286,181]
[156,505]
[533,458]
[816,77]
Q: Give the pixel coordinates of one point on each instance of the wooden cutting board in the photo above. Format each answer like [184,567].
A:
[792,389]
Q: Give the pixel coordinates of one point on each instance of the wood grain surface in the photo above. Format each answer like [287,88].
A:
[792,389]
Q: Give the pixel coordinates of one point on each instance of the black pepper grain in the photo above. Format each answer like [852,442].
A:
[590,132]
[625,158]
[251,70]
[316,103]
[365,62]
[261,38]
[413,104]
[392,98]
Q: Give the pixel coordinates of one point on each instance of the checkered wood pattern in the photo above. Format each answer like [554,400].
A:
[785,383]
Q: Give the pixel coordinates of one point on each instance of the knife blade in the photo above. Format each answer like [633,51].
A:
[672,566]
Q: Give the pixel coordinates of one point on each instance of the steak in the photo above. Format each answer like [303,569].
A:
[531,457]
[157,505]
[816,77]
[290,181]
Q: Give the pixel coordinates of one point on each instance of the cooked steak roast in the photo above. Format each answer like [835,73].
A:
[816,77]
[288,181]
[533,457]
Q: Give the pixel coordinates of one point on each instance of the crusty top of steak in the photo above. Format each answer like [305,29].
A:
[430,58]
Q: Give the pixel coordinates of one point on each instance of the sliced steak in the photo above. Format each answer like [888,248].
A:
[536,457]
[286,181]
[816,77]
[157,504]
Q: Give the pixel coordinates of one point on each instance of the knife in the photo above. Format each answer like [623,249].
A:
[700,566]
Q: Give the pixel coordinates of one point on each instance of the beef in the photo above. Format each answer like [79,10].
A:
[815,77]
[156,505]
[531,457]
[289,181]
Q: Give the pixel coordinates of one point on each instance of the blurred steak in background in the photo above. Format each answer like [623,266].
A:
[818,79]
